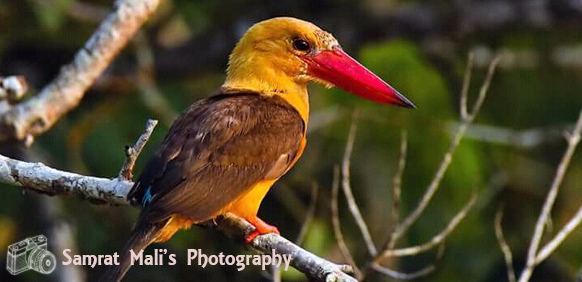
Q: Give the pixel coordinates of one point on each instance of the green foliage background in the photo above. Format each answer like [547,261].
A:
[37,37]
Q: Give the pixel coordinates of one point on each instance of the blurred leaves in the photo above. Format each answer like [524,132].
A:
[51,14]
[37,36]
[402,64]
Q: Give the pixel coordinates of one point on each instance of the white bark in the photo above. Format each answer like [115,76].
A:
[41,178]
[37,115]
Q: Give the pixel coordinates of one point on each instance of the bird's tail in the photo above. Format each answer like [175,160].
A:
[141,237]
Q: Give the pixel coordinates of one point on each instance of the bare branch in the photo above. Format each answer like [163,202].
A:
[131,153]
[550,247]
[46,180]
[337,231]
[309,215]
[394,213]
[43,179]
[413,275]
[353,206]
[35,116]
[466,84]
[436,240]
[397,187]
[311,265]
[507,255]
[401,229]
[434,185]
[404,276]
[532,260]
[527,138]
[484,89]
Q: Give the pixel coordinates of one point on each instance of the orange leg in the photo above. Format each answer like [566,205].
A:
[261,228]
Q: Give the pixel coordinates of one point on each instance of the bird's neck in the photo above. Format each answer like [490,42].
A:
[270,83]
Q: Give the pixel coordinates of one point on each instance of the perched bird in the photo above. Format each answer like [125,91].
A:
[224,153]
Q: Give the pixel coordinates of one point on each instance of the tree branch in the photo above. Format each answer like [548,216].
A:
[533,257]
[467,119]
[353,206]
[41,178]
[401,228]
[310,213]
[311,265]
[337,231]
[507,255]
[437,239]
[46,180]
[412,275]
[37,115]
[131,153]
[404,276]
[551,246]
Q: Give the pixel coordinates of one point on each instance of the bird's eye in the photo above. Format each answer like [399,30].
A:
[301,44]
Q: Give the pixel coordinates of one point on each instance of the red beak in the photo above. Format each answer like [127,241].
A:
[338,68]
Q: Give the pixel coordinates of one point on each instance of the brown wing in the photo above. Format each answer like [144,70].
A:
[215,151]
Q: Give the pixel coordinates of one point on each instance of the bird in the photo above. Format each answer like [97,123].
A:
[224,152]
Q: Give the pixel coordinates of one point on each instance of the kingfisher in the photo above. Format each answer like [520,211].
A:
[224,153]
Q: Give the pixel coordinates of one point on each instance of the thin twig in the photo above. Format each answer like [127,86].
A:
[309,215]
[433,187]
[413,275]
[467,119]
[353,206]
[397,186]
[405,276]
[395,211]
[131,153]
[573,141]
[466,85]
[484,89]
[436,240]
[507,255]
[525,138]
[337,231]
[551,246]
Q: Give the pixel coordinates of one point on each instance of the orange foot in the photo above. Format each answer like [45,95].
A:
[261,228]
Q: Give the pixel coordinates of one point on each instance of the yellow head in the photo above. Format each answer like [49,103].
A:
[280,56]
[267,58]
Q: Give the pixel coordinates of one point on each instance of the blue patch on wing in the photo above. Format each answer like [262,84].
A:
[147,197]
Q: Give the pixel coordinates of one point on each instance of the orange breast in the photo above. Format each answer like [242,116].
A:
[249,203]
[246,205]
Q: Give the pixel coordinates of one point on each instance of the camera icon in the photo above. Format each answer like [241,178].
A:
[30,253]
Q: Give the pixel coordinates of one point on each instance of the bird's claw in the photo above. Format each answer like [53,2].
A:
[261,228]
